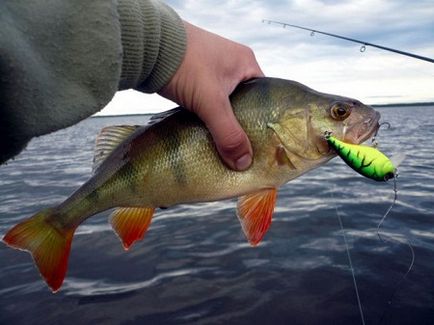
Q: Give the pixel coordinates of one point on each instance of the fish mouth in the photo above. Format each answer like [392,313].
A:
[364,130]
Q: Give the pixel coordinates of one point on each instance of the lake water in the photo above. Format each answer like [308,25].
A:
[194,265]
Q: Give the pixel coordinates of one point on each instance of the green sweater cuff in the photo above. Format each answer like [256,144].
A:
[153,43]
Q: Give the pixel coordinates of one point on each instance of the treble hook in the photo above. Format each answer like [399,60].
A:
[374,138]
[312,33]
[384,123]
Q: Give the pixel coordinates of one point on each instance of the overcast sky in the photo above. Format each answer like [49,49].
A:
[321,62]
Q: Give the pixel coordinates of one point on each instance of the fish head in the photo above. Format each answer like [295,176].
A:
[354,122]
[308,115]
[347,119]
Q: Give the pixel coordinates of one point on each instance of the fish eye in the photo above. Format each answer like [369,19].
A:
[340,111]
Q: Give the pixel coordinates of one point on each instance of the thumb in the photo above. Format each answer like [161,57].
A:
[232,142]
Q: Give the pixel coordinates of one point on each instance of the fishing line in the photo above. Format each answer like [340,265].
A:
[407,242]
[383,239]
[395,197]
[359,303]
[364,43]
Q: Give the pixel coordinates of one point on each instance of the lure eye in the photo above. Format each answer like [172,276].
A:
[340,111]
[389,176]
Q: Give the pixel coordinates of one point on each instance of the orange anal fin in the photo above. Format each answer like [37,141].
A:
[255,212]
[130,224]
[48,246]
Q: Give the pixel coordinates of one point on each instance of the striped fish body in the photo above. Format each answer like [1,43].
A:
[174,160]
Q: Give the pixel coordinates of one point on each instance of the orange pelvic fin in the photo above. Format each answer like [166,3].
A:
[130,224]
[255,212]
[48,245]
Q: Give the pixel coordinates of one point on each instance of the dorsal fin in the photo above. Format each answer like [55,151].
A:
[158,117]
[108,139]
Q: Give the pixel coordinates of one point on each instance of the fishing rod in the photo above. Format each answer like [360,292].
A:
[362,48]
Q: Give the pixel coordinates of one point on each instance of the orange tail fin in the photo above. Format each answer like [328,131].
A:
[48,245]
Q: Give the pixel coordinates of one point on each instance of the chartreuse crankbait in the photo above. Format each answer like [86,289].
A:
[367,161]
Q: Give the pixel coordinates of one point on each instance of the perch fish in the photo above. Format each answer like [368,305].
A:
[173,160]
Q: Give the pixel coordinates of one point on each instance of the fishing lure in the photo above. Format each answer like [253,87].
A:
[367,161]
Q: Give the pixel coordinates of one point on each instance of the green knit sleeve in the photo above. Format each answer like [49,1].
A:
[153,43]
[62,61]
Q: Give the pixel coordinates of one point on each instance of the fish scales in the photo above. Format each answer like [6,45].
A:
[174,160]
[187,168]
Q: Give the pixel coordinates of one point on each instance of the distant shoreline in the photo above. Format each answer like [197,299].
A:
[373,105]
[123,115]
[404,104]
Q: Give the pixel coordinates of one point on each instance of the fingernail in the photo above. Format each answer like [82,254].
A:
[243,162]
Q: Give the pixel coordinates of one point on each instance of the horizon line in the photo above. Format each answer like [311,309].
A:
[373,105]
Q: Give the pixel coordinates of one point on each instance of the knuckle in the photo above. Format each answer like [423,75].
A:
[251,67]
[250,52]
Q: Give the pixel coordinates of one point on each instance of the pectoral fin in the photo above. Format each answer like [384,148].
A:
[255,212]
[130,224]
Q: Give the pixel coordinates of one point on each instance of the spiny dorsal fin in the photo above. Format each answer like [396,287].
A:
[130,224]
[158,117]
[108,139]
[255,212]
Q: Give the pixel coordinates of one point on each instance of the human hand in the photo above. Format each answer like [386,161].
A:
[211,69]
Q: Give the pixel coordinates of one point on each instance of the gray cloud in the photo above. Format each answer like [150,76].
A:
[399,22]
[321,62]
[327,63]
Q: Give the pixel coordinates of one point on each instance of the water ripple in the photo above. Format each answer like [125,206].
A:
[194,265]
[82,287]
